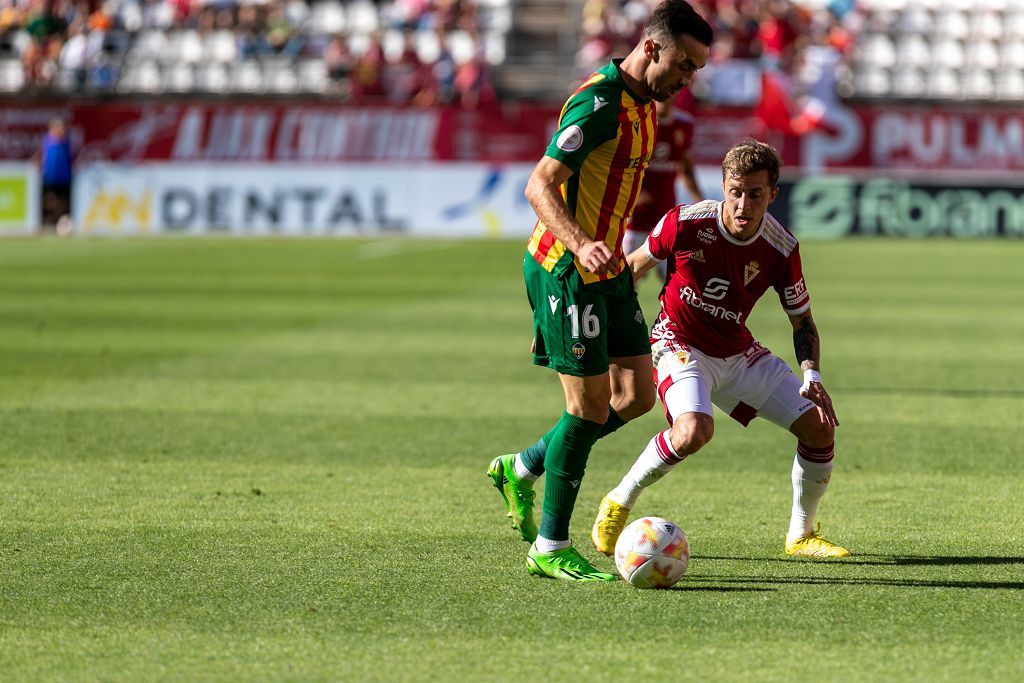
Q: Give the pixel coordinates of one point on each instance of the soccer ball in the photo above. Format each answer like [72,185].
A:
[652,553]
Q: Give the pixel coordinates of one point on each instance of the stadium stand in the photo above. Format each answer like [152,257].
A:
[427,51]
[418,50]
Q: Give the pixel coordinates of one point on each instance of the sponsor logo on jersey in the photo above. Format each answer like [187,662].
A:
[750,271]
[599,102]
[636,127]
[571,139]
[716,289]
[553,300]
[697,256]
[706,236]
[578,350]
[691,297]
[796,293]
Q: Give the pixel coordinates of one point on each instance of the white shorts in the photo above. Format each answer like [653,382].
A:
[746,385]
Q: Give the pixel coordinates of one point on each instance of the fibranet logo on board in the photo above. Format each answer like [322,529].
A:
[118,209]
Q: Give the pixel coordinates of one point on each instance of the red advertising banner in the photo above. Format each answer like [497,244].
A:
[308,133]
[921,140]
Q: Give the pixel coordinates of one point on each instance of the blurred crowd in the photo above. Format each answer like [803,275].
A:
[791,38]
[400,50]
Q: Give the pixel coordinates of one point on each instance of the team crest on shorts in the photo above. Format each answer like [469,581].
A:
[578,350]
[683,356]
[639,317]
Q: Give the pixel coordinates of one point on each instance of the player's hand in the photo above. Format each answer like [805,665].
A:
[814,390]
[596,257]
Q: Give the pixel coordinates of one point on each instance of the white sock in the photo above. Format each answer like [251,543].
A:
[526,477]
[654,463]
[546,545]
[810,481]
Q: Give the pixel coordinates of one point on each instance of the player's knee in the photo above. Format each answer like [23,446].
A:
[592,410]
[691,432]
[816,433]
[642,399]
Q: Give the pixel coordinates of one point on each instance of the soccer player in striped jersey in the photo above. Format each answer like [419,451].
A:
[670,160]
[722,257]
[588,326]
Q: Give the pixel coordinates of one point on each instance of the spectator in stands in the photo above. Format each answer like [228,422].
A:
[368,76]
[340,64]
[473,87]
[55,163]
[407,79]
[444,70]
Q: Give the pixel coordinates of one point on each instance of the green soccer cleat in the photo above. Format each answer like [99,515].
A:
[565,564]
[518,500]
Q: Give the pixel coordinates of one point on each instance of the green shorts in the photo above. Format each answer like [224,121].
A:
[577,327]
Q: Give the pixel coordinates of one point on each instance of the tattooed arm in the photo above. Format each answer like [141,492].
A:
[808,353]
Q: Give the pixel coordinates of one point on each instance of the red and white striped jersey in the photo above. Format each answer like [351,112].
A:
[714,280]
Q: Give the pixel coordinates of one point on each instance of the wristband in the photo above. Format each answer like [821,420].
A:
[812,376]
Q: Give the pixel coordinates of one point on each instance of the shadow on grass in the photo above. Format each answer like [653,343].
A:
[877,561]
[840,581]
[889,560]
[721,589]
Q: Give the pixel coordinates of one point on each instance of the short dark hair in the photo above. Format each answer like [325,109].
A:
[751,156]
[674,18]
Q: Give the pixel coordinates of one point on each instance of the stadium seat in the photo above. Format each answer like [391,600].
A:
[948,52]
[148,44]
[12,75]
[179,78]
[212,77]
[875,49]
[908,83]
[1011,54]
[363,17]
[312,75]
[220,46]
[986,24]
[140,76]
[872,82]
[952,23]
[247,77]
[982,54]
[913,50]
[327,17]
[979,84]
[944,84]
[1009,85]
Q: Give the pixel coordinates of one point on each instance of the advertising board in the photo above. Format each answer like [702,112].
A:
[19,198]
[453,199]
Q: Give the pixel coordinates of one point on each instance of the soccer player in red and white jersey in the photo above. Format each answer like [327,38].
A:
[669,160]
[723,256]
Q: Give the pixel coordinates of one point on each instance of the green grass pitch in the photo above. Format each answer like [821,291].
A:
[264,460]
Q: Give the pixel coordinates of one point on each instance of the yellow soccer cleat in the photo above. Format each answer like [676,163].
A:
[611,520]
[815,547]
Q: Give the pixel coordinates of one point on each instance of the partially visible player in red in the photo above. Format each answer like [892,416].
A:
[670,159]
[723,256]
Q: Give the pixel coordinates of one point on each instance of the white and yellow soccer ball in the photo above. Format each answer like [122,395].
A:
[652,553]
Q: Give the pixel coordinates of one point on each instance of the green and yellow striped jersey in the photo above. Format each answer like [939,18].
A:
[606,136]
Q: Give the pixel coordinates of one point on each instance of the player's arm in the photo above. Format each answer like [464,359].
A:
[808,353]
[543,191]
[640,262]
[688,176]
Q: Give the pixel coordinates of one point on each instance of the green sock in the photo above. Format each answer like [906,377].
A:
[533,456]
[565,460]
